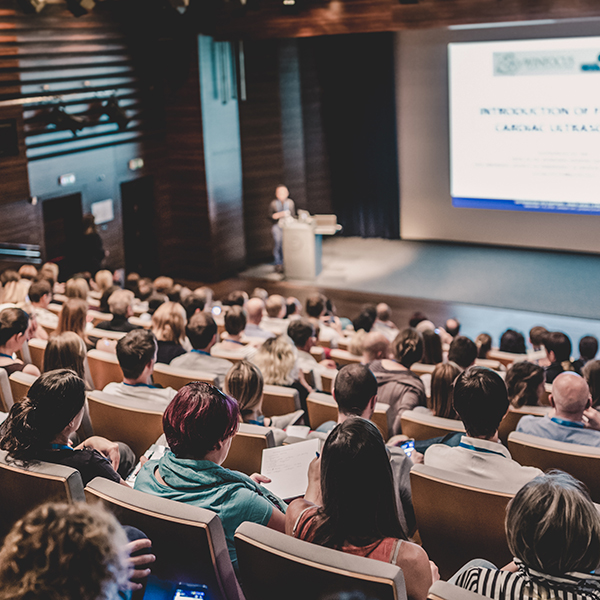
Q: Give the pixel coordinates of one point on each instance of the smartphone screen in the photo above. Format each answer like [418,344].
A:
[408,447]
[190,591]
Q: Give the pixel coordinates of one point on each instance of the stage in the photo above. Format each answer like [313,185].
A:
[486,288]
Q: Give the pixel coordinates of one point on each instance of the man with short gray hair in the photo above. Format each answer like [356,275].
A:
[120,304]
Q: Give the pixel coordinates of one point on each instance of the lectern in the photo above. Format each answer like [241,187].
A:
[302,244]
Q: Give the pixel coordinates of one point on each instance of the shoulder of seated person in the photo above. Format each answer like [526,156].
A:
[412,553]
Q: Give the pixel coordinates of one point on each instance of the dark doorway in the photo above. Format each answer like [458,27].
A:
[62,232]
[139,231]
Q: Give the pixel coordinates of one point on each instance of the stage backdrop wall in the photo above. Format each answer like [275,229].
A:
[426,211]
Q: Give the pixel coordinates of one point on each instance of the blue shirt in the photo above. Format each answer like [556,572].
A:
[559,430]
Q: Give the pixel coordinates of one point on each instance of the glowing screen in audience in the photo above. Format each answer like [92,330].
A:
[525,124]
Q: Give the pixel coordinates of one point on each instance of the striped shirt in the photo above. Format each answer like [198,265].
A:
[527,584]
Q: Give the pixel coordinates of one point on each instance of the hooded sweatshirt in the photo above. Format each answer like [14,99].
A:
[402,390]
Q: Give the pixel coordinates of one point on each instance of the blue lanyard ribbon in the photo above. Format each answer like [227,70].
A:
[574,424]
[484,450]
[201,352]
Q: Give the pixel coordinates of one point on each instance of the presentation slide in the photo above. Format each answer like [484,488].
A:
[525,125]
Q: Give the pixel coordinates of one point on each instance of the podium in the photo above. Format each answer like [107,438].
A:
[302,244]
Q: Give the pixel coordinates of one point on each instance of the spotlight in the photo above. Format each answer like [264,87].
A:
[32,6]
[291,7]
[62,120]
[80,7]
[115,113]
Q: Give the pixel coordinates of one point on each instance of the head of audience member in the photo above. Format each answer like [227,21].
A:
[155,301]
[49,271]
[316,305]
[67,551]
[484,344]
[136,353]
[293,307]
[407,347]
[365,319]
[276,359]
[235,322]
[200,422]
[236,298]
[525,384]
[588,347]
[376,346]
[452,327]
[15,292]
[103,280]
[481,401]
[254,310]
[463,351]
[570,396]
[442,380]
[72,317]
[302,333]
[512,341]
[14,323]
[208,294]
[132,282]
[201,330]
[432,348]
[144,289]
[163,285]
[416,318]
[384,312]
[537,335]
[9,275]
[261,293]
[558,348]
[357,487]
[591,372]
[168,323]
[276,307]
[40,293]
[355,391]
[120,303]
[193,303]
[553,526]
[245,383]
[174,294]
[77,287]
[355,345]
[65,351]
[28,272]
[423,326]
[106,294]
[51,412]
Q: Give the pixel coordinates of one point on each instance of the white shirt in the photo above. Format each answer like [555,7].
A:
[480,458]
[274,325]
[161,397]
[242,351]
[307,362]
[255,331]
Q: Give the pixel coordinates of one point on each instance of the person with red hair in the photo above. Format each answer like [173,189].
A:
[199,425]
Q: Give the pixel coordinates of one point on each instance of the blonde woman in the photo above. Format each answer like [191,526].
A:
[77,288]
[168,325]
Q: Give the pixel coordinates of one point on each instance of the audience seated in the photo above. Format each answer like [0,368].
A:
[163,285]
[65,351]
[254,310]
[558,352]
[193,303]
[202,333]
[235,323]
[42,425]
[570,399]
[168,325]
[553,531]
[106,294]
[350,505]
[136,353]
[120,304]
[432,348]
[536,337]
[525,384]
[199,425]
[73,317]
[481,401]
[442,380]
[366,319]
[512,341]
[14,325]
[77,287]
[463,351]
[375,346]
[484,344]
[28,272]
[40,296]
[591,372]
[236,298]
[452,327]
[276,309]
[294,308]
[103,280]
[383,322]
[398,385]
[416,318]
[330,330]
[588,348]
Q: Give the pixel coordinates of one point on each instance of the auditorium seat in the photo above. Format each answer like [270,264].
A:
[458,519]
[344,343]
[22,489]
[318,353]
[24,353]
[343,357]
[422,369]
[19,384]
[230,355]
[274,566]
[328,379]
[422,426]
[442,590]
[496,365]
[245,454]
[514,415]
[99,317]
[279,400]
[583,462]
[188,541]
[104,368]
[37,349]
[144,323]
[309,377]
[169,376]
[105,333]
[506,358]
[545,398]
[135,422]
[6,397]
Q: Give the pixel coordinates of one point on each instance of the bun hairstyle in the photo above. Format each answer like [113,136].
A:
[54,400]
[408,347]
[12,321]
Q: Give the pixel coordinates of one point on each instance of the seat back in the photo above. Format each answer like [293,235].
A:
[318,353]
[422,426]
[496,365]
[169,376]
[328,379]
[442,590]
[422,369]
[274,565]
[22,489]
[380,418]
[106,333]
[37,349]
[583,462]
[24,353]
[514,415]
[6,397]
[506,358]
[245,454]
[129,421]
[343,357]
[321,408]
[19,384]
[229,355]
[456,511]
[188,542]
[98,317]
[104,368]
[279,400]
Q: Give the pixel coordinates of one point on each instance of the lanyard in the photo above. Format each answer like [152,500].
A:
[140,385]
[484,450]
[574,424]
[201,352]
[6,355]
[60,447]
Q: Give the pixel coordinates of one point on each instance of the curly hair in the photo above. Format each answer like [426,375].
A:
[276,359]
[407,347]
[64,551]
